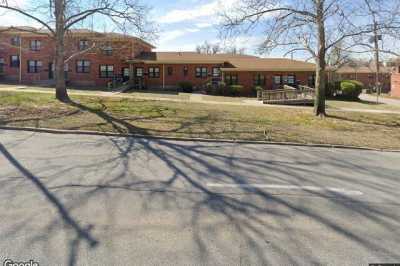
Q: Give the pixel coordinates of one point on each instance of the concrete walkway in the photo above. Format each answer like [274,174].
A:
[372,98]
[185,97]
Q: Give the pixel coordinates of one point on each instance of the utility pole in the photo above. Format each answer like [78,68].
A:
[377,66]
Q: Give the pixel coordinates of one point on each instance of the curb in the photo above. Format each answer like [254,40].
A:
[111,134]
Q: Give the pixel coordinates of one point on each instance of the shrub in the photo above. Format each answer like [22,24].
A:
[235,90]
[209,88]
[221,89]
[351,89]
[185,86]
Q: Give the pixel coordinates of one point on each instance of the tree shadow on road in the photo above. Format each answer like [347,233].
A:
[81,233]
[169,174]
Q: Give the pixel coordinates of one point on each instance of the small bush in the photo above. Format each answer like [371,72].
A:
[209,88]
[234,90]
[221,89]
[185,86]
[351,89]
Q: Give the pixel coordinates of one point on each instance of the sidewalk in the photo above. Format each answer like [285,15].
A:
[197,98]
[372,98]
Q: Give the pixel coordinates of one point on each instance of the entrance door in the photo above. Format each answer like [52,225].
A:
[51,71]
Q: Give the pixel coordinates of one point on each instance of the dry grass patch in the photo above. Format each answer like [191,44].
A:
[200,120]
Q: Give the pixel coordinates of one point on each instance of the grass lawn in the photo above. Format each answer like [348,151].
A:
[199,120]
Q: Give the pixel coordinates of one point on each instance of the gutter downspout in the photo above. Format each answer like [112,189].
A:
[20,60]
[163,76]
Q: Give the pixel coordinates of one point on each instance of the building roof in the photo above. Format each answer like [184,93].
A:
[232,62]
[186,58]
[269,64]
[362,70]
[29,31]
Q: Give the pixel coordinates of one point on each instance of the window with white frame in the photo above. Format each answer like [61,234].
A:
[216,72]
[83,45]
[83,66]
[106,71]
[154,72]
[108,50]
[14,61]
[277,80]
[34,66]
[139,72]
[35,45]
[291,79]
[201,72]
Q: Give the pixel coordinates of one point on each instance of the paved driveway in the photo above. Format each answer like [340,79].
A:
[89,200]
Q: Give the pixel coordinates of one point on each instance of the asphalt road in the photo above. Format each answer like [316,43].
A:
[90,200]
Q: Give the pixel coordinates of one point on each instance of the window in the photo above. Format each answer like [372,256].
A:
[1,65]
[34,66]
[185,70]
[106,71]
[291,79]
[201,72]
[139,72]
[277,80]
[16,41]
[35,45]
[108,50]
[216,71]
[154,72]
[170,71]
[83,45]
[126,72]
[14,61]
[82,66]
[231,79]
[259,79]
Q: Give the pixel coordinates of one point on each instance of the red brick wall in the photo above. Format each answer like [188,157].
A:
[122,49]
[247,79]
[369,79]
[178,74]
[395,91]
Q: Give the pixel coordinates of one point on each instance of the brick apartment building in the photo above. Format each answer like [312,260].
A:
[364,74]
[395,82]
[28,58]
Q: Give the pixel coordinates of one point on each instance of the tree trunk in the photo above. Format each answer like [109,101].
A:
[320,78]
[61,89]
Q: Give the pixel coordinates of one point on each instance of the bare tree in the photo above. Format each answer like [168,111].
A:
[58,17]
[234,50]
[216,48]
[208,48]
[312,26]
[384,21]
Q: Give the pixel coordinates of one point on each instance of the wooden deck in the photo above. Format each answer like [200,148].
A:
[289,96]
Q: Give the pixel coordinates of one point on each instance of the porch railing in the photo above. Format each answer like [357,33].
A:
[288,95]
